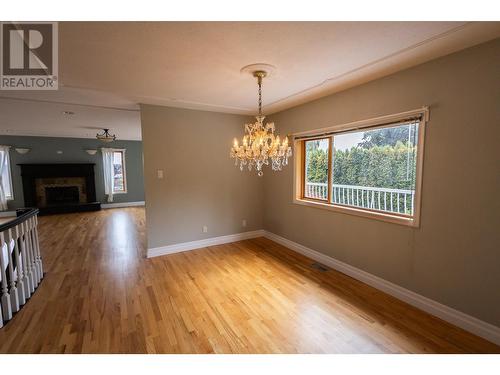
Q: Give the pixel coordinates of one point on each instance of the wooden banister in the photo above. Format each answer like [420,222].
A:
[21,268]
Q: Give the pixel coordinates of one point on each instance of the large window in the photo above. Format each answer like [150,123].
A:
[6,176]
[372,171]
[119,175]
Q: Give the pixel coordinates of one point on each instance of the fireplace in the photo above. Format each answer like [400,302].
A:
[62,195]
[59,188]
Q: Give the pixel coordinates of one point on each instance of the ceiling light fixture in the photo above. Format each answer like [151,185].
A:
[22,150]
[259,143]
[68,113]
[105,136]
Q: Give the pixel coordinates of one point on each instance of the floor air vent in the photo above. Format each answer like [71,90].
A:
[320,267]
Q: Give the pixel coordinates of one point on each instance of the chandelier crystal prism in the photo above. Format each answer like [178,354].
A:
[260,146]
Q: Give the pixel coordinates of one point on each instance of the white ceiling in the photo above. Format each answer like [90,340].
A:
[106,68]
[43,115]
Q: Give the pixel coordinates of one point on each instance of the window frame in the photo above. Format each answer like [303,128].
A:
[9,172]
[124,171]
[379,122]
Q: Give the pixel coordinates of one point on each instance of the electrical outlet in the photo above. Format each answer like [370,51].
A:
[244,223]
[159,173]
[205,229]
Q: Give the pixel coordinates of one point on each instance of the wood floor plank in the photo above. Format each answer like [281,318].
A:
[101,295]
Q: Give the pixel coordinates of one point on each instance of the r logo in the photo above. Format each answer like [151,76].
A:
[29,56]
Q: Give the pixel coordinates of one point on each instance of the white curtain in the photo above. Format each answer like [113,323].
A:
[4,163]
[107,163]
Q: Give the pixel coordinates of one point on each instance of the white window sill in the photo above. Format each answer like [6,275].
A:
[120,192]
[381,216]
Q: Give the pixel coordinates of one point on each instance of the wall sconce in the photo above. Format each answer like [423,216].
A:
[22,151]
[91,152]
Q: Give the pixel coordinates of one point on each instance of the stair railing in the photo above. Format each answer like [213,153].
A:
[21,268]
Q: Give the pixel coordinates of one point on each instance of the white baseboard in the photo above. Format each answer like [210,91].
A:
[122,204]
[455,317]
[7,213]
[185,246]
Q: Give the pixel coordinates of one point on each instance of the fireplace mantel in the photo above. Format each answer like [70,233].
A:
[31,172]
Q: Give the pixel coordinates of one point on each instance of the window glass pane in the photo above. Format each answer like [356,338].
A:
[6,184]
[118,175]
[6,179]
[376,169]
[316,169]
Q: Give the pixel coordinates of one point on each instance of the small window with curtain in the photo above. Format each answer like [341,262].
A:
[371,169]
[6,172]
[119,175]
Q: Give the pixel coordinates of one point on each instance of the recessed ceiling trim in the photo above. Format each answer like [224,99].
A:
[193,104]
[67,103]
[50,135]
[372,63]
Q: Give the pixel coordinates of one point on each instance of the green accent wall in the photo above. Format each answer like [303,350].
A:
[44,150]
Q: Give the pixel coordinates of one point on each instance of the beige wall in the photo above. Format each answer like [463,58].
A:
[201,185]
[454,257]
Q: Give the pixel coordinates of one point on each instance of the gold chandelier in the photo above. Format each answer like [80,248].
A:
[259,145]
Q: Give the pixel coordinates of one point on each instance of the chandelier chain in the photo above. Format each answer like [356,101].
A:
[259,80]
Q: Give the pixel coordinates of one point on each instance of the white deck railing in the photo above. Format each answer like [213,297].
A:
[389,200]
[21,267]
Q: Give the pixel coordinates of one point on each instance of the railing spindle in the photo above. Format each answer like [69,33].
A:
[1,315]
[38,257]
[14,296]
[34,268]
[5,298]
[21,290]
[29,265]
[24,263]
[412,203]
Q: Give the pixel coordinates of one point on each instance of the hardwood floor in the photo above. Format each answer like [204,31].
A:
[101,295]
